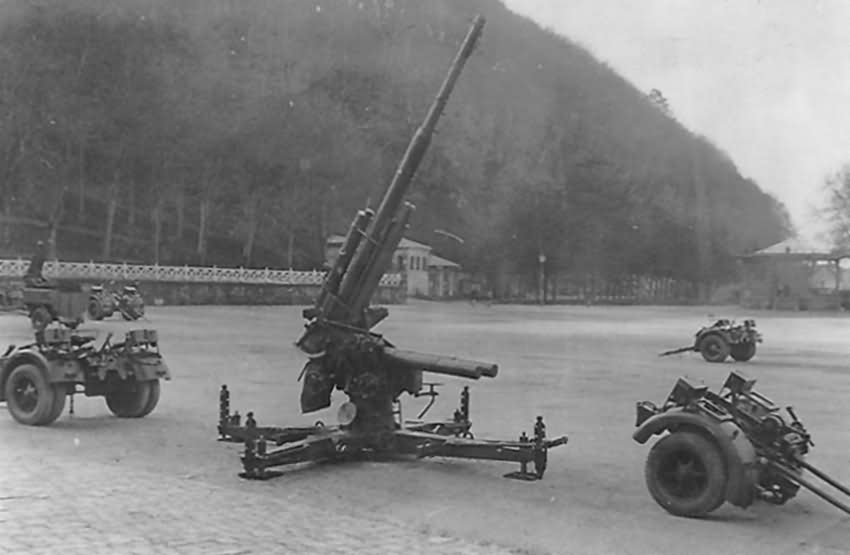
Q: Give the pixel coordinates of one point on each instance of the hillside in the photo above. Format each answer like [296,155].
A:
[213,131]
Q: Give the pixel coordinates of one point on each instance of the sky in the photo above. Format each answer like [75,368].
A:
[767,81]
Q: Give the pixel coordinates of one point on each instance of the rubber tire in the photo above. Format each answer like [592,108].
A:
[95,310]
[153,398]
[714,340]
[742,352]
[129,403]
[44,408]
[60,393]
[706,453]
[40,318]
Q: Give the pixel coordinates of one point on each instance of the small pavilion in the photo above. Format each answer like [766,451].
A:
[793,275]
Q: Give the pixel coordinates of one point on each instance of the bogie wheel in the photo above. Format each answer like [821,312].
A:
[130,401]
[40,318]
[95,310]
[742,352]
[29,397]
[153,398]
[686,474]
[59,393]
[714,348]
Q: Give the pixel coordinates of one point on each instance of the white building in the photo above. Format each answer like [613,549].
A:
[427,274]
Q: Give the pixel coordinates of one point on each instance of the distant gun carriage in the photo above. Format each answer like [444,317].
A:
[734,445]
[47,301]
[344,353]
[35,379]
[104,302]
[55,303]
[722,339]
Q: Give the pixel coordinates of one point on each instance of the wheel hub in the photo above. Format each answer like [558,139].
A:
[683,475]
[26,394]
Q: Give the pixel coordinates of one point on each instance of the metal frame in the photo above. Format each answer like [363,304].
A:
[447,438]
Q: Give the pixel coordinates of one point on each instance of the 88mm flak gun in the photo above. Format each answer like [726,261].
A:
[344,353]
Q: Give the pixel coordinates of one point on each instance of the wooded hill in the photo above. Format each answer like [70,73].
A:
[244,132]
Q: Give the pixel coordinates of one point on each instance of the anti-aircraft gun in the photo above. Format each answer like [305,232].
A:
[344,353]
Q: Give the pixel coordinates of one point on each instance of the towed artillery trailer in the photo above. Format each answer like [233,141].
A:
[722,339]
[47,304]
[344,353]
[35,379]
[103,303]
[732,446]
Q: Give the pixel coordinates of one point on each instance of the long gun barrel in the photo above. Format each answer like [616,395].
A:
[367,250]
[438,364]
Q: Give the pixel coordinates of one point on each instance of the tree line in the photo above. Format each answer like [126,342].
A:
[221,132]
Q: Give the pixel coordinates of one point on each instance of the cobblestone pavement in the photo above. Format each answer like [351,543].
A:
[71,507]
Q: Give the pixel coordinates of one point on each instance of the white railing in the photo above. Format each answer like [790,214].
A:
[189,274]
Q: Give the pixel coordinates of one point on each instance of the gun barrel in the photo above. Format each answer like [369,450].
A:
[330,290]
[419,144]
[382,259]
[358,282]
[439,364]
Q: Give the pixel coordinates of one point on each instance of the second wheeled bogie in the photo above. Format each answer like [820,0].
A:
[722,339]
[733,446]
[36,378]
[103,302]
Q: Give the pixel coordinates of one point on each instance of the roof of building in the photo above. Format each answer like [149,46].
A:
[434,260]
[405,243]
[794,246]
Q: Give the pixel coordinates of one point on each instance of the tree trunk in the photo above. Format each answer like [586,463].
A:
[131,209]
[180,205]
[81,185]
[290,248]
[111,207]
[156,217]
[53,224]
[253,216]
[202,231]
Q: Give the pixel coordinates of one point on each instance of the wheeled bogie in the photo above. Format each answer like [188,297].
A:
[733,446]
[35,379]
[103,303]
[723,339]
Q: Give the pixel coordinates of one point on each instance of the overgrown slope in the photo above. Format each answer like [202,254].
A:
[244,132]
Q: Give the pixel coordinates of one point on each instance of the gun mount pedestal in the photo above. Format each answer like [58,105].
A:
[269,447]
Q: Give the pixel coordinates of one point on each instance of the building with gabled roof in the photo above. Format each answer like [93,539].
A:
[427,275]
[794,274]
